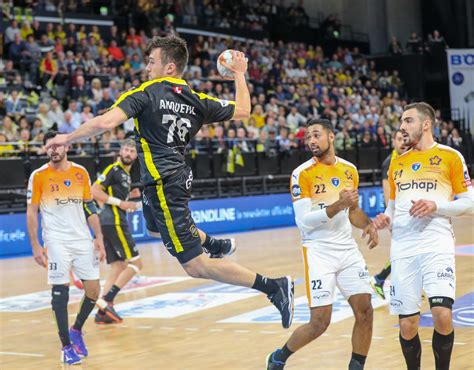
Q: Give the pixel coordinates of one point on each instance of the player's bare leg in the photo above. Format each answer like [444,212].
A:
[362,331]
[303,335]
[116,269]
[279,291]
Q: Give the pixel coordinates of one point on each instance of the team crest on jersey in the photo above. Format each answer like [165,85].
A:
[435,161]
[415,166]
[296,190]
[177,89]
[67,183]
[335,181]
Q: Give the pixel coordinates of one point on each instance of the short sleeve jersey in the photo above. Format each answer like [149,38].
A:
[60,196]
[167,114]
[116,182]
[322,184]
[438,173]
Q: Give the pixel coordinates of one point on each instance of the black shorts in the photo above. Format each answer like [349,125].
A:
[119,244]
[166,211]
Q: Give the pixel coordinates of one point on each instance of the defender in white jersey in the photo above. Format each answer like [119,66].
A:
[423,182]
[325,200]
[61,191]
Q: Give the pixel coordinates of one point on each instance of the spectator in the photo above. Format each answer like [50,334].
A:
[414,44]
[6,149]
[9,129]
[367,140]
[68,126]
[75,114]
[48,69]
[295,119]
[105,103]
[55,113]
[14,106]
[11,32]
[42,115]
[395,48]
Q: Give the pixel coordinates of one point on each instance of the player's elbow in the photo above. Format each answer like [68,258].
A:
[241,113]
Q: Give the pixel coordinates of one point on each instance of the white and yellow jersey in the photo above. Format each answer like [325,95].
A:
[435,174]
[60,196]
[322,184]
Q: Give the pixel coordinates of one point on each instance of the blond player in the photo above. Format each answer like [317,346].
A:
[423,182]
[325,200]
[61,191]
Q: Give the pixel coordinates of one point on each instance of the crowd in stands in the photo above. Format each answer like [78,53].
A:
[434,44]
[82,70]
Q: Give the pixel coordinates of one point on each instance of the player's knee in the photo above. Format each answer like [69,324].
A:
[195,271]
[60,297]
[319,326]
[92,291]
[137,265]
[442,318]
[365,315]
[409,325]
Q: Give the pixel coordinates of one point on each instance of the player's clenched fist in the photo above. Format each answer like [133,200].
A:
[381,221]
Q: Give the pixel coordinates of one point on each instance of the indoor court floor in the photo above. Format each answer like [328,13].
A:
[172,322]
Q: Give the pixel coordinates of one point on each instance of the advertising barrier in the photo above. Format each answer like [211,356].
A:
[214,216]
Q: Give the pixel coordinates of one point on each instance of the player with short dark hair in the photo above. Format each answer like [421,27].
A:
[167,114]
[423,181]
[60,189]
[326,203]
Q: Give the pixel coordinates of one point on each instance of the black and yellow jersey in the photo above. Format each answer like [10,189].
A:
[116,182]
[167,115]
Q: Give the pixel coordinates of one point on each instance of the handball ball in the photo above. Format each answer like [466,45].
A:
[226,56]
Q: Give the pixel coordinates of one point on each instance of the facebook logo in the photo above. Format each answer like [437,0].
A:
[137,224]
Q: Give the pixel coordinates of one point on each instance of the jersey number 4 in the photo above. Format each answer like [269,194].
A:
[178,124]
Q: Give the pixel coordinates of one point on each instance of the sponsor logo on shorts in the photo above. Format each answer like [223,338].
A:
[415,166]
[364,273]
[321,294]
[396,303]
[446,274]
[296,190]
[194,231]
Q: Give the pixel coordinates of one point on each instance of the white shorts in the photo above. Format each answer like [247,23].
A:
[77,256]
[435,273]
[324,269]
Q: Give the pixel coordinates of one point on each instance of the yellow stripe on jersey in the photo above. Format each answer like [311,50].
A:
[106,171]
[161,195]
[205,96]
[306,274]
[143,86]
[123,240]
[135,121]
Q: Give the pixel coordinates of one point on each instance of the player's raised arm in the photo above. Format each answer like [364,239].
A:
[242,94]
[93,127]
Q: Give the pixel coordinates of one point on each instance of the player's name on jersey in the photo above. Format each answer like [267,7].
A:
[177,107]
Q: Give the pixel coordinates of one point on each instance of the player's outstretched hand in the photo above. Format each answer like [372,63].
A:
[381,221]
[99,247]
[58,140]
[348,198]
[239,62]
[371,231]
[40,256]
[422,208]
